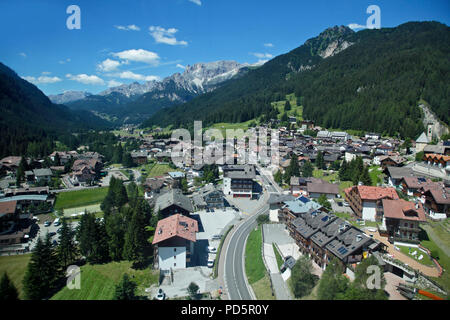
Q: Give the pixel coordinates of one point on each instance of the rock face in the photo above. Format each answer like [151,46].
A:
[438,128]
[68,96]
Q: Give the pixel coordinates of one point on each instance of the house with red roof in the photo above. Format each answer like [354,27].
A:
[174,242]
[365,201]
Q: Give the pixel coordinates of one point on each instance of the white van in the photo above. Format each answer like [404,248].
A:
[56,222]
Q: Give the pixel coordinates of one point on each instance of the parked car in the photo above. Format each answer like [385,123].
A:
[56,222]
[54,243]
[210,263]
[47,223]
[59,230]
[339,203]
[346,204]
[211,249]
[161,295]
[51,234]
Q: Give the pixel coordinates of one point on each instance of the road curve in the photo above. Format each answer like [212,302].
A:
[235,278]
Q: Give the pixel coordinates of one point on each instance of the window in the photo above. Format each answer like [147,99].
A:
[175,257]
[174,249]
[174,264]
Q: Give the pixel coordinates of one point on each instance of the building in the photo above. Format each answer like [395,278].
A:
[209,197]
[14,226]
[238,180]
[42,175]
[173,202]
[437,202]
[412,185]
[391,161]
[293,209]
[174,242]
[315,189]
[394,175]
[422,142]
[365,201]
[139,157]
[401,219]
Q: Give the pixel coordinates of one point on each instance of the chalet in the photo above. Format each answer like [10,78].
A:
[238,180]
[315,190]
[365,201]
[174,242]
[437,202]
[152,186]
[139,157]
[173,202]
[391,161]
[293,209]
[394,175]
[209,197]
[14,226]
[42,175]
[412,185]
[401,219]
[11,163]
[422,142]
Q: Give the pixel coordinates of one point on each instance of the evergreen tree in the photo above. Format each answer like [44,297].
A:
[7,289]
[67,250]
[193,290]
[323,201]
[20,172]
[333,282]
[343,171]
[287,106]
[43,273]
[92,237]
[127,160]
[184,185]
[320,162]
[115,229]
[126,289]
[303,280]
[135,245]
[307,169]
[278,177]
[365,177]
[284,117]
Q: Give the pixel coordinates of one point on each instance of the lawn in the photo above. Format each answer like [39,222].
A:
[376,175]
[324,175]
[223,126]
[15,266]
[79,198]
[408,250]
[159,170]
[98,281]
[295,109]
[254,265]
[278,257]
[344,185]
[262,289]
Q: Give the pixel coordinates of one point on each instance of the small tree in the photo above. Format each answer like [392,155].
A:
[323,201]
[126,289]
[193,290]
[278,177]
[287,106]
[303,280]
[7,289]
[264,218]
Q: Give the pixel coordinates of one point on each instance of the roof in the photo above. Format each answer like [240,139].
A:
[329,231]
[240,172]
[176,174]
[441,196]
[35,197]
[374,193]
[348,242]
[175,226]
[302,205]
[173,197]
[42,172]
[308,224]
[423,138]
[402,209]
[279,198]
[434,149]
[438,157]
[7,207]
[399,172]
[325,187]
[416,182]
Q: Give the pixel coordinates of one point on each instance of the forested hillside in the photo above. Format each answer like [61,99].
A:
[28,117]
[373,83]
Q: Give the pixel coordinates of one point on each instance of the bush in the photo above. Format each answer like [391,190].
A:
[264,218]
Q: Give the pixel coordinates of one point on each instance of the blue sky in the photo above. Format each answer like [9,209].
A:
[137,40]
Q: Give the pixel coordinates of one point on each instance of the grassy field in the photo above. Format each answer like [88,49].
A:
[94,208]
[262,289]
[98,281]
[15,266]
[344,185]
[223,126]
[79,198]
[296,110]
[321,174]
[278,257]
[254,265]
[159,170]
[376,175]
[408,250]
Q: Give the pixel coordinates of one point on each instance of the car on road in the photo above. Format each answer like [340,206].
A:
[161,295]
[47,223]
[210,263]
[211,249]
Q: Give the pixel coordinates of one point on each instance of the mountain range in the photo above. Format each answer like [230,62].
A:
[135,102]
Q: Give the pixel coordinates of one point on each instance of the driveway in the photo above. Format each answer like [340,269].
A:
[429,271]
[392,281]
[337,208]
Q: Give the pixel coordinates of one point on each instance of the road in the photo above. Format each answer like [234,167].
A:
[234,268]
[271,186]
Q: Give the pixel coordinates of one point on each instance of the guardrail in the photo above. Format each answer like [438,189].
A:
[219,249]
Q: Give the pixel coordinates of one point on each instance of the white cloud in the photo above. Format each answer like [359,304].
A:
[131,27]
[46,73]
[197,2]
[139,55]
[356,26]
[23,54]
[42,79]
[64,61]
[166,36]
[268,45]
[262,55]
[108,65]
[86,79]
[135,76]
[114,83]
[180,66]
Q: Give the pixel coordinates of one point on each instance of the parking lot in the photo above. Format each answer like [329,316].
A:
[337,208]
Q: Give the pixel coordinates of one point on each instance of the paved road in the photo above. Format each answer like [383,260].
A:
[271,186]
[235,278]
